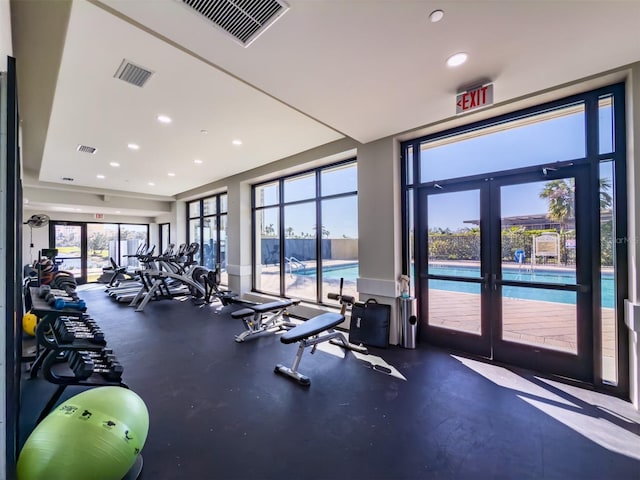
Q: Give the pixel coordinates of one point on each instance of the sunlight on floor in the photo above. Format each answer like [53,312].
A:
[608,421]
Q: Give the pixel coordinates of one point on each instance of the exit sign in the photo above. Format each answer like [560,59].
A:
[99,216]
[475,98]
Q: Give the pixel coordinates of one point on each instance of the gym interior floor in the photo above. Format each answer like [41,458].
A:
[218,411]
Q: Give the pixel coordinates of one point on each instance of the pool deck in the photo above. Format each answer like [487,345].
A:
[532,322]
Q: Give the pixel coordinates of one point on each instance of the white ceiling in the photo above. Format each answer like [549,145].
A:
[364,69]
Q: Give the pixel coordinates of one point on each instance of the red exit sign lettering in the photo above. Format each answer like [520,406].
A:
[475,98]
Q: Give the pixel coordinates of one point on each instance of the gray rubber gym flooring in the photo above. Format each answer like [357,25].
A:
[218,411]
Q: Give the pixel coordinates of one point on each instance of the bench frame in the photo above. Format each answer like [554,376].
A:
[262,317]
[329,334]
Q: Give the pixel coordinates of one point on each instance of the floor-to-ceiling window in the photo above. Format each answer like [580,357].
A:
[305,231]
[165,236]
[84,249]
[207,226]
[514,234]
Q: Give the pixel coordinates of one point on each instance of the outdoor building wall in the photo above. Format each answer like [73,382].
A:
[344,249]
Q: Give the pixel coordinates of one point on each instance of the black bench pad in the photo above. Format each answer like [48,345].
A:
[263,308]
[312,327]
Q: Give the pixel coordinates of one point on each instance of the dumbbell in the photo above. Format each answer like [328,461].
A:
[67,333]
[71,324]
[67,296]
[104,361]
[81,365]
[84,364]
[77,305]
[51,299]
[44,290]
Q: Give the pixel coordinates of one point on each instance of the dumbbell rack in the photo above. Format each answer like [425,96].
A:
[56,352]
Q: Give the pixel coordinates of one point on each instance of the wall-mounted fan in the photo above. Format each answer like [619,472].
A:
[35,221]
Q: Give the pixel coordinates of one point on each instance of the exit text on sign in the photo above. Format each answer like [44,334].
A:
[475,98]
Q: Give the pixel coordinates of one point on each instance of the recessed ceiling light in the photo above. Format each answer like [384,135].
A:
[436,16]
[100,176]
[133,146]
[151,184]
[171,174]
[114,164]
[457,59]
[118,211]
[237,142]
[164,119]
[198,161]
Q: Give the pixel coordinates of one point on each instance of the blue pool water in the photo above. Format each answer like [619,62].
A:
[350,274]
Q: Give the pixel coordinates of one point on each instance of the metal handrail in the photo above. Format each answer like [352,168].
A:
[293,260]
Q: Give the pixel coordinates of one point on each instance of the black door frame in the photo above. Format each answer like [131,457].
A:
[490,343]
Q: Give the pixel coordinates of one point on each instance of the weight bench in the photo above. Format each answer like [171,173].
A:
[309,334]
[263,316]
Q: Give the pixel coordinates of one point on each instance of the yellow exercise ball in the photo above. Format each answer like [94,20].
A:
[95,435]
[29,323]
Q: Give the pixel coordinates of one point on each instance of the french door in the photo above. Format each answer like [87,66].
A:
[70,239]
[506,268]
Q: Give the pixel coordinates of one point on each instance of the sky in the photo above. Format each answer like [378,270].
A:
[555,139]
[558,139]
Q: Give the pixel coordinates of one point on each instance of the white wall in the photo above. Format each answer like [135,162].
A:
[6,48]
[379,231]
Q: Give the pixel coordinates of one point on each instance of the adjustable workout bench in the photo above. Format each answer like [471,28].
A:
[309,334]
[263,316]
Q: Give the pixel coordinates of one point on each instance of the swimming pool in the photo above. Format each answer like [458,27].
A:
[350,274]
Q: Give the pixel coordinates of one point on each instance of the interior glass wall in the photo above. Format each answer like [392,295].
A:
[306,233]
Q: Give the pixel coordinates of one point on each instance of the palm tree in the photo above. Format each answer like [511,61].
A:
[561,196]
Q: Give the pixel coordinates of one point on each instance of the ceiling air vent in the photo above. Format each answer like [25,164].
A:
[87,149]
[244,20]
[132,73]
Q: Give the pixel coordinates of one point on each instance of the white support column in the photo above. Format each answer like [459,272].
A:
[178,228]
[379,225]
[239,236]
[632,310]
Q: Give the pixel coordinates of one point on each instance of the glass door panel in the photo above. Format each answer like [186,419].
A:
[450,306]
[101,239]
[539,272]
[547,322]
[453,246]
[68,240]
[505,269]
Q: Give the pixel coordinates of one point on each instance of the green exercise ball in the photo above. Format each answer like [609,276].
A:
[95,435]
